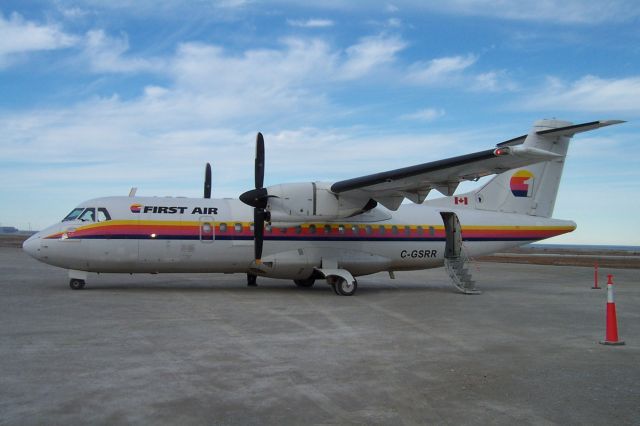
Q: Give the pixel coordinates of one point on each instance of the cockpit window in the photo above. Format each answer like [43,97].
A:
[88,215]
[74,214]
[103,214]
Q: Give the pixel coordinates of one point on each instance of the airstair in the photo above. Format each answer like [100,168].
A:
[459,273]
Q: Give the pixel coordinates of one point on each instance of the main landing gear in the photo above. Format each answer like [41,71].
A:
[76,284]
[343,287]
[252,280]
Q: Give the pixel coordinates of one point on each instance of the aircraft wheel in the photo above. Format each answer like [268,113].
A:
[76,284]
[345,288]
[308,282]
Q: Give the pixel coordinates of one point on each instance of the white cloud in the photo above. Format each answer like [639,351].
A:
[563,11]
[106,54]
[74,12]
[311,23]
[589,93]
[20,36]
[392,8]
[369,53]
[427,114]
[439,70]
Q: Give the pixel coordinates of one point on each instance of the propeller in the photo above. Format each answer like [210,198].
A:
[258,198]
[207,181]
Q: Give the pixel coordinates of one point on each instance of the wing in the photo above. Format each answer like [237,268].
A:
[390,188]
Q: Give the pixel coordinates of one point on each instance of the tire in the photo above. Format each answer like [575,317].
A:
[76,284]
[306,283]
[345,288]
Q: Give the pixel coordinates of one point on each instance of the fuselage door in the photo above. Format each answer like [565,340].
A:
[453,233]
[207,229]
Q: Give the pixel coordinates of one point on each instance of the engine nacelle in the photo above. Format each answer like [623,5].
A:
[310,201]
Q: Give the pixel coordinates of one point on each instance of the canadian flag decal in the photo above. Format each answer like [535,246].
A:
[461,200]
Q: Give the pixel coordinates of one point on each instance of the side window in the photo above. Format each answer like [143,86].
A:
[223,227]
[237,227]
[88,215]
[103,214]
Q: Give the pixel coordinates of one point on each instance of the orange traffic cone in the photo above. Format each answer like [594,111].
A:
[612,320]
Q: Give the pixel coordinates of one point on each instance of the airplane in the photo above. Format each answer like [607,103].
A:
[335,231]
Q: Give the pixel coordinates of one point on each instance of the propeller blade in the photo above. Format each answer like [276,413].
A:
[258,232]
[259,166]
[207,181]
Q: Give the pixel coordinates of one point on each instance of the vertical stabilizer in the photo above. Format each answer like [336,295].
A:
[532,189]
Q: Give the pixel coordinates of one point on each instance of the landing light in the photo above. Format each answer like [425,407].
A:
[153,235]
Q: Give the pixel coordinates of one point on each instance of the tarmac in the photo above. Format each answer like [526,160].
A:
[205,349]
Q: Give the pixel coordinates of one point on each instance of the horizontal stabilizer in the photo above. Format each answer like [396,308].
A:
[564,131]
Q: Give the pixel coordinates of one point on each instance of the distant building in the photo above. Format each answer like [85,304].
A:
[8,230]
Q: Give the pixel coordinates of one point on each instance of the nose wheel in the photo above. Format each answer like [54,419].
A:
[76,284]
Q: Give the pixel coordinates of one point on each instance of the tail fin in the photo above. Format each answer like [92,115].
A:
[533,189]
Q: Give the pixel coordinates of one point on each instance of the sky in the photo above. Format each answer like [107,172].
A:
[97,97]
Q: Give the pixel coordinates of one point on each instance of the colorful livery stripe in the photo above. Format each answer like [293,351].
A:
[176,230]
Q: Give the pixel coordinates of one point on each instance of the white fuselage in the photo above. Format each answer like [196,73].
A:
[164,234]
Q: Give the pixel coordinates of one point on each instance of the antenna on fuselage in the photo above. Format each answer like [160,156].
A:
[132,191]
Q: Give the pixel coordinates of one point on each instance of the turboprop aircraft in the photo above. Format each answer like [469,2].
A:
[328,230]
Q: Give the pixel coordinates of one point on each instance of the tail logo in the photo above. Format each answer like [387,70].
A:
[522,183]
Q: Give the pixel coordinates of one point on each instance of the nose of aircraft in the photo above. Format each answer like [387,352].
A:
[32,245]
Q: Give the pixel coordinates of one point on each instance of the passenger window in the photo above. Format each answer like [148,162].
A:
[341,229]
[327,229]
[407,230]
[223,227]
[394,229]
[103,214]
[312,229]
[238,227]
[298,229]
[355,229]
[74,214]
[88,215]
[267,228]
[381,229]
[420,230]
[432,231]
[368,229]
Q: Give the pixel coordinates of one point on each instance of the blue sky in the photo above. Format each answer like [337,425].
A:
[97,97]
